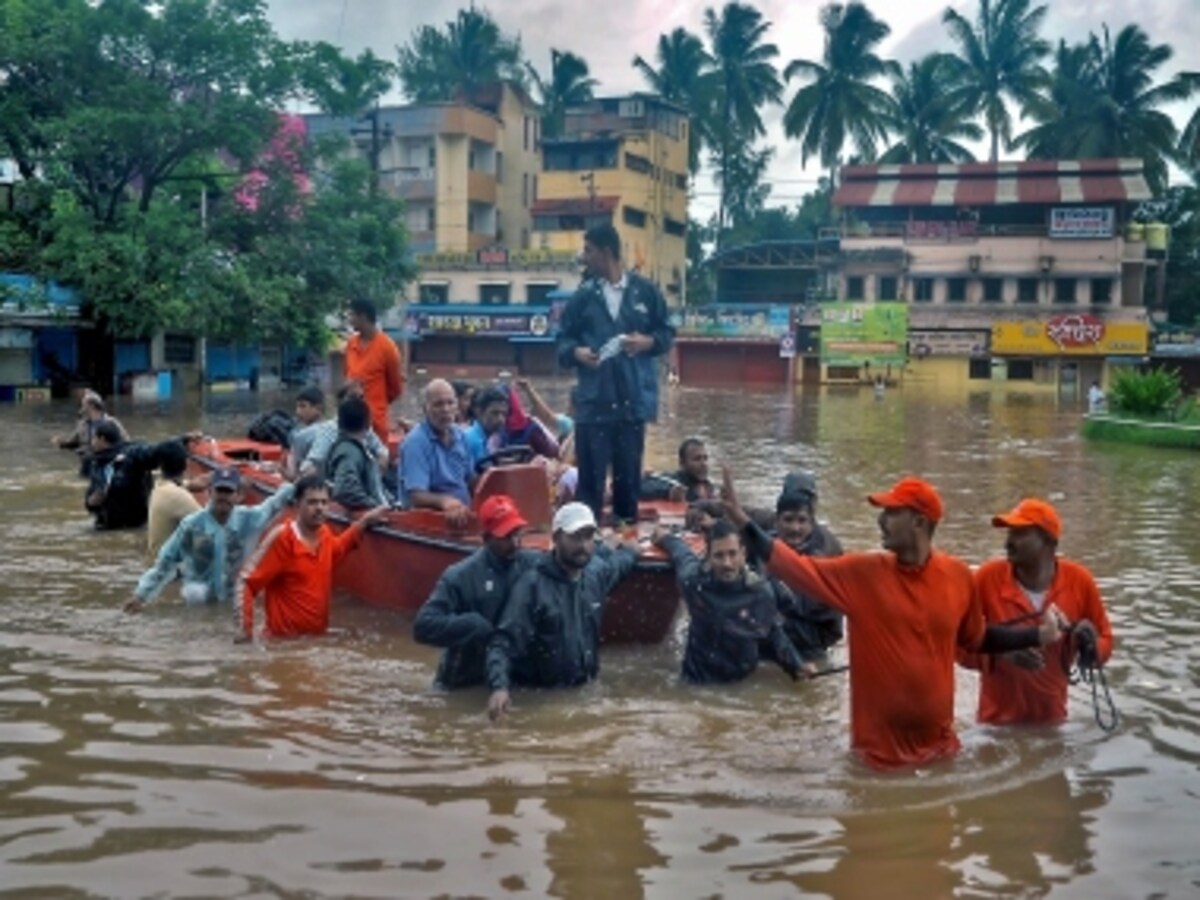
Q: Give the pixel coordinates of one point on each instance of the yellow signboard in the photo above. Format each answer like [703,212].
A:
[1076,334]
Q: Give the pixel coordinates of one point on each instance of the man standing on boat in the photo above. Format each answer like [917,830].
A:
[293,566]
[461,613]
[208,547]
[549,634]
[435,462]
[373,360]
[909,610]
[612,329]
[1029,687]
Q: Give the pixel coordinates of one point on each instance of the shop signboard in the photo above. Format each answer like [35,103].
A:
[1177,344]
[854,334]
[1070,335]
[539,322]
[1082,222]
[948,343]
[769,323]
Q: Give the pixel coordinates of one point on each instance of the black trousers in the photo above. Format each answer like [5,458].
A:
[619,444]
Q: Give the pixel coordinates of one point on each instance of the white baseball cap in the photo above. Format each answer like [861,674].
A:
[574,517]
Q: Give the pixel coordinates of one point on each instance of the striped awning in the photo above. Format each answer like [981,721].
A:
[993,184]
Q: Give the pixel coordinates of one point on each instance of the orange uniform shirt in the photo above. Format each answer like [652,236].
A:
[1009,695]
[297,579]
[375,364]
[904,626]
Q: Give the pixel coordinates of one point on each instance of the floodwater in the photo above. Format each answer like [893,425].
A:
[149,756]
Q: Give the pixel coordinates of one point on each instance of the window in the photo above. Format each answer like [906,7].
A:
[993,290]
[435,293]
[499,166]
[956,290]
[533,193]
[855,289]
[1020,370]
[889,288]
[1027,290]
[471,158]
[634,217]
[678,229]
[524,238]
[539,294]
[923,290]
[524,188]
[432,156]
[430,219]
[494,294]
[580,156]
[179,349]
[1064,290]
[527,132]
[979,369]
[1102,291]
[681,182]
[635,163]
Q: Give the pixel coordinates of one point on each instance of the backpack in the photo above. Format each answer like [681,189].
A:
[274,427]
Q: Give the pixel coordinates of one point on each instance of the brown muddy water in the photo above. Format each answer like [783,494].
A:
[150,757]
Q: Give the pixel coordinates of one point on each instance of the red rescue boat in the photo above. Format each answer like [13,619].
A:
[397,563]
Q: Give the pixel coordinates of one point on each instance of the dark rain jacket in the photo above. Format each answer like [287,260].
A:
[623,388]
[731,627]
[119,486]
[658,487]
[461,613]
[357,483]
[549,634]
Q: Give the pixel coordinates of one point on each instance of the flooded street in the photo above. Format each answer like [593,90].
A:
[149,756]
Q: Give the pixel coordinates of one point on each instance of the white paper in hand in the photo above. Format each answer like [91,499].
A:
[611,348]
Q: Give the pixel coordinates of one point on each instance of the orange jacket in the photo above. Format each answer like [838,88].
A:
[297,579]
[904,627]
[1010,695]
[376,366]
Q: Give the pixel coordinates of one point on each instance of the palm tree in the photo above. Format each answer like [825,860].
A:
[839,101]
[743,79]
[1103,102]
[1003,53]
[568,85]
[680,78]
[925,117]
[341,85]
[471,52]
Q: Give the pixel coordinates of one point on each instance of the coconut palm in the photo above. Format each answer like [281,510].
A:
[680,77]
[743,79]
[341,85]
[1003,53]
[568,85]
[471,52]
[839,102]
[924,116]
[1189,140]
[1103,102]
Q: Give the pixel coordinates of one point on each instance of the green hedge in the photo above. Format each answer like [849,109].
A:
[1147,433]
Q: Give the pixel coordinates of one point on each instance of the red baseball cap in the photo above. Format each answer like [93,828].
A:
[911,493]
[1032,512]
[500,516]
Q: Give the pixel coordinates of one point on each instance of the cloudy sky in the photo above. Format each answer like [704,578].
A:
[608,34]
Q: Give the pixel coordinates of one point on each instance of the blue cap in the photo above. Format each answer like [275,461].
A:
[227,478]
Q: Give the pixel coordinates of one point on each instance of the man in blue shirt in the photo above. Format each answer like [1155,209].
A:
[435,464]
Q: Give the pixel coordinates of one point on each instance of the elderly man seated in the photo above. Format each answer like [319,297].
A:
[435,464]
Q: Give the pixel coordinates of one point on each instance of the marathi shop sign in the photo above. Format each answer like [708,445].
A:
[948,343]
[770,323]
[1070,335]
[1082,222]
[853,334]
[1177,343]
[538,323]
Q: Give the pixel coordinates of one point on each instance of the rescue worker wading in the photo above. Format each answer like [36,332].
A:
[549,634]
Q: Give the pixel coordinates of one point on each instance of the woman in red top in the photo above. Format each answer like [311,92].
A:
[294,566]
[1030,686]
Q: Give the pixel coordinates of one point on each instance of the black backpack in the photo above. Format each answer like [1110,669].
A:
[274,427]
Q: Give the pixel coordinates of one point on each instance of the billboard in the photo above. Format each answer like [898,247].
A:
[538,322]
[768,322]
[853,334]
[1082,222]
[1070,335]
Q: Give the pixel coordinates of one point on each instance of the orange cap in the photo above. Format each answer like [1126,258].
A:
[1031,512]
[500,517]
[911,493]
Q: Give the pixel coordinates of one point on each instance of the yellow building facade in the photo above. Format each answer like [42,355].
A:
[620,160]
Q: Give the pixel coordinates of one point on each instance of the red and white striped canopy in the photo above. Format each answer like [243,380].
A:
[994,184]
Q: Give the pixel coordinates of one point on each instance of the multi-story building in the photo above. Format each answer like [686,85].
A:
[1026,271]
[621,160]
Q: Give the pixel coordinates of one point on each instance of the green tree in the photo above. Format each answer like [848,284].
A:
[680,77]
[567,85]
[744,79]
[840,102]
[1003,50]
[1103,102]
[342,86]
[1189,139]
[924,116]
[471,52]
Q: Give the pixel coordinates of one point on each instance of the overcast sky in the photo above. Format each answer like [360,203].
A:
[608,34]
